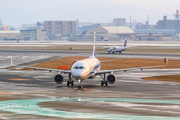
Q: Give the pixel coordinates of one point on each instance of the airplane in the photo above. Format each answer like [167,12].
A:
[113,49]
[88,69]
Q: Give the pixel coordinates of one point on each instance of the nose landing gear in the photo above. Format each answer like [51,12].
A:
[80,87]
[70,81]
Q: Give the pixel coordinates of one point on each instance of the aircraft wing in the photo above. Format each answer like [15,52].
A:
[109,61]
[45,69]
[50,70]
[128,69]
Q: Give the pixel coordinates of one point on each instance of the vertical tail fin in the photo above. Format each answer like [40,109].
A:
[94,45]
[125,43]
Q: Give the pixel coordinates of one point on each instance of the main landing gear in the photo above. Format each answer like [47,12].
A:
[70,82]
[104,81]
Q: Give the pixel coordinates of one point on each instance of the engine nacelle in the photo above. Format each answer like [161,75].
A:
[109,49]
[111,78]
[59,79]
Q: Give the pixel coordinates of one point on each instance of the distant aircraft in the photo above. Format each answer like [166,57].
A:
[88,69]
[113,49]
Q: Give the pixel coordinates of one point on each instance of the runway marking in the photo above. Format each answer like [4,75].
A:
[61,83]
[29,106]
[18,56]
[20,79]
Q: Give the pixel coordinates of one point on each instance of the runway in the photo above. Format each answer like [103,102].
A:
[129,98]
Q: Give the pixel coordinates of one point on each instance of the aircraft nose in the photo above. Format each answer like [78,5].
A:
[78,75]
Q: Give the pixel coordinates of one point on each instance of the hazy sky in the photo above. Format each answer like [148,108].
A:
[17,12]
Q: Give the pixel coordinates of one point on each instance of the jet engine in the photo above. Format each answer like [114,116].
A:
[111,78]
[59,79]
[109,49]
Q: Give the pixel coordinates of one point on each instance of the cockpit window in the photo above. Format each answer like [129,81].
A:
[76,67]
[80,67]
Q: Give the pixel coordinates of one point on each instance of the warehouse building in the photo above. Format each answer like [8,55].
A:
[9,35]
[104,33]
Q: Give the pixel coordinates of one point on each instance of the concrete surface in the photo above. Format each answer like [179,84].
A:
[133,98]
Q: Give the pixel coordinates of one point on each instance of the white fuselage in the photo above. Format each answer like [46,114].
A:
[119,49]
[86,68]
[116,49]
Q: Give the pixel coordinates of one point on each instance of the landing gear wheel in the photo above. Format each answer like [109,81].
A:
[112,52]
[119,52]
[109,52]
[72,83]
[68,82]
[102,83]
[80,87]
[106,83]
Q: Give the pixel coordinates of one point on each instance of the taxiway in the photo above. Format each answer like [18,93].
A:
[129,98]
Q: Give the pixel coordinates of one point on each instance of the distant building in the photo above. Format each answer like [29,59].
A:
[9,35]
[119,21]
[40,24]
[132,25]
[167,24]
[106,24]
[82,24]
[14,27]
[140,25]
[57,29]
[28,26]
[5,27]
[33,35]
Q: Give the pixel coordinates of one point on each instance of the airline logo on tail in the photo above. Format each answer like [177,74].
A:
[125,43]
